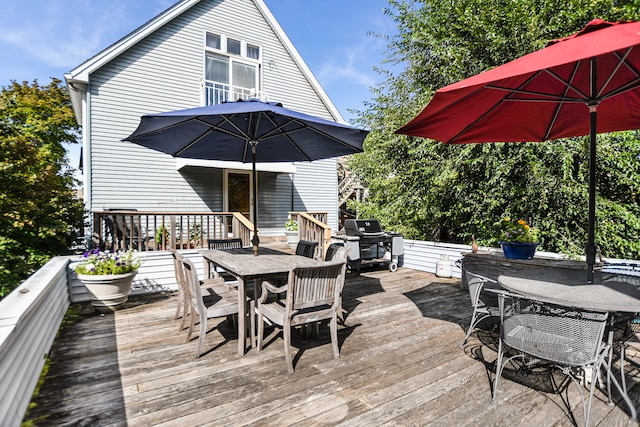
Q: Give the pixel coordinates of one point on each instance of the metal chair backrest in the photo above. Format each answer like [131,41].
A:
[306,248]
[235,243]
[566,336]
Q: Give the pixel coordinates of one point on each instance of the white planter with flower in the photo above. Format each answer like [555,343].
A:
[291,230]
[108,277]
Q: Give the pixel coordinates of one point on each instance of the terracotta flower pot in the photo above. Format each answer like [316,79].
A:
[108,292]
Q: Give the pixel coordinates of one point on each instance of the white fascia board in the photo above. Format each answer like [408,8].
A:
[278,167]
[277,29]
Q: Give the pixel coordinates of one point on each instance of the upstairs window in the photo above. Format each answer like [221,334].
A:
[231,69]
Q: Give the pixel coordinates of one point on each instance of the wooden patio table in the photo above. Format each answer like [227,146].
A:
[618,296]
[246,267]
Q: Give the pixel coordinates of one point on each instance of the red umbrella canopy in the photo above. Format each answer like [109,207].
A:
[545,94]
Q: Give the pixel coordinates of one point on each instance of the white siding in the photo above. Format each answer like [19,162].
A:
[164,72]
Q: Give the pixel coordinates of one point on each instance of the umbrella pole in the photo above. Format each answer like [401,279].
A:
[255,241]
[591,246]
[590,250]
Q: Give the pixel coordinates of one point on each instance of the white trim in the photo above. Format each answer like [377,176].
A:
[278,167]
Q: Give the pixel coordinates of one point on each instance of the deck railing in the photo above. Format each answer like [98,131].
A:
[312,226]
[147,231]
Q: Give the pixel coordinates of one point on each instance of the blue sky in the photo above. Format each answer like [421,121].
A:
[40,39]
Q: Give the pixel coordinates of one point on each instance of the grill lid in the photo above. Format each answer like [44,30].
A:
[363,227]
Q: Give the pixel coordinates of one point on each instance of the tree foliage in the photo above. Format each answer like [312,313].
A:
[38,207]
[428,190]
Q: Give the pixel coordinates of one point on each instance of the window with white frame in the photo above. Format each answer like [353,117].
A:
[231,69]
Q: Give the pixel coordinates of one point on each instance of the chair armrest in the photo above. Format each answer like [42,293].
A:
[268,287]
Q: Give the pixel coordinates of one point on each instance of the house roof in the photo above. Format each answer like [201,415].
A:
[78,78]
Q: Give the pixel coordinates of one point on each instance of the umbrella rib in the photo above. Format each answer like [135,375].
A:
[280,132]
[556,111]
[302,125]
[192,143]
[622,60]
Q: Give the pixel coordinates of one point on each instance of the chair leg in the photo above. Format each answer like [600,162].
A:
[177,315]
[623,379]
[334,336]
[286,333]
[185,313]
[260,331]
[251,324]
[498,372]
[203,332]
[192,325]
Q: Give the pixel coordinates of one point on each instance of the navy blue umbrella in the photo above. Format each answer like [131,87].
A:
[247,131]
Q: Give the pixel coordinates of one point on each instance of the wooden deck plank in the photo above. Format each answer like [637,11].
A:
[400,364]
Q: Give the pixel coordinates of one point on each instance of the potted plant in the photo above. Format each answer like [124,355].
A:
[162,237]
[518,239]
[108,276]
[291,230]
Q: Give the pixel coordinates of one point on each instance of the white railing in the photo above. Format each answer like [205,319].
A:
[30,317]
[218,93]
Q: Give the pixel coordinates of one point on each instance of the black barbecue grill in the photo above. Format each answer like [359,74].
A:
[369,243]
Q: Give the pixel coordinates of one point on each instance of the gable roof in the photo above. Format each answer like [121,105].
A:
[78,79]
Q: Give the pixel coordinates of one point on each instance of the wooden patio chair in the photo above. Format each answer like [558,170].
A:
[569,339]
[221,301]
[312,294]
[182,310]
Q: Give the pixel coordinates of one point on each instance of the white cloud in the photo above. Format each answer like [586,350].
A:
[353,64]
[64,34]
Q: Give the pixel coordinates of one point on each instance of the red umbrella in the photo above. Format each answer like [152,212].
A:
[555,92]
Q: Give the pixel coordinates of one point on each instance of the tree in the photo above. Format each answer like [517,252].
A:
[38,206]
[429,190]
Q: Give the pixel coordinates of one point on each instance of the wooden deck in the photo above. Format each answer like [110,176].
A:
[400,365]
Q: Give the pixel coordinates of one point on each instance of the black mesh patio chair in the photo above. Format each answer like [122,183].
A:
[484,300]
[629,324]
[569,339]
[306,248]
[234,243]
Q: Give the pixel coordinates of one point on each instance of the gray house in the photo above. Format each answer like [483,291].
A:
[197,52]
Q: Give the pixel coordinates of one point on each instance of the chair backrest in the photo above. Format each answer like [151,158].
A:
[476,283]
[193,284]
[306,248]
[332,250]
[234,243]
[316,286]
[567,336]
[179,271]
